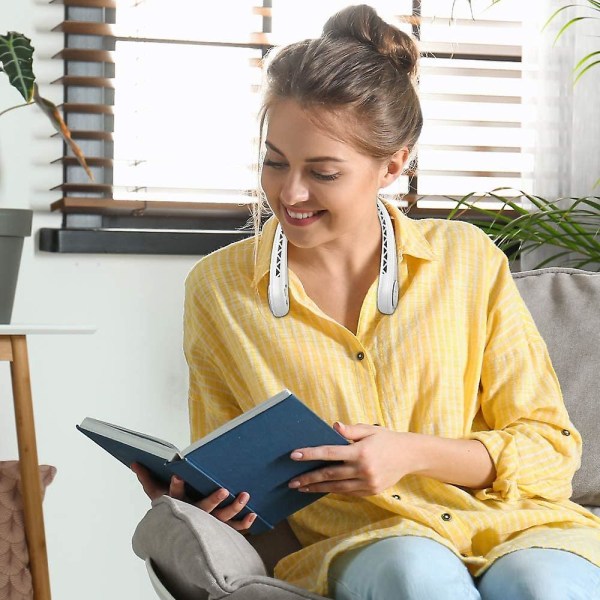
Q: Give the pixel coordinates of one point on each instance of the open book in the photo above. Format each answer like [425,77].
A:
[250,453]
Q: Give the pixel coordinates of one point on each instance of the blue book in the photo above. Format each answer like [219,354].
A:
[250,453]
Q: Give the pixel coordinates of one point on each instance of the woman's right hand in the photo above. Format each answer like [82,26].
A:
[176,489]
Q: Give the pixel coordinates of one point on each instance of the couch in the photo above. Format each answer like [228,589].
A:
[193,556]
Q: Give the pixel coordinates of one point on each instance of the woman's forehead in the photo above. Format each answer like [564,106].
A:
[289,123]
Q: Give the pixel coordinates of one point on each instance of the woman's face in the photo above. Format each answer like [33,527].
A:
[320,189]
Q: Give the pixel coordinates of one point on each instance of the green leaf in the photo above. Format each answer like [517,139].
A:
[567,25]
[574,230]
[586,69]
[580,63]
[16,56]
[553,15]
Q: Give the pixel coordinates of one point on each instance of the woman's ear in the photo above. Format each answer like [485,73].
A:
[394,166]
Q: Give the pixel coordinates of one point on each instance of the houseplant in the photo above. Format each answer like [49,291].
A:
[16,61]
[572,232]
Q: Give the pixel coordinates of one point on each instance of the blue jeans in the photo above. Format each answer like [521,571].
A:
[417,568]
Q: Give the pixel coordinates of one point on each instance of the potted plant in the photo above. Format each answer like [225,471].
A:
[16,61]
[572,232]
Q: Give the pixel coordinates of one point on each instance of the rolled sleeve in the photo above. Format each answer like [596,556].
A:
[531,440]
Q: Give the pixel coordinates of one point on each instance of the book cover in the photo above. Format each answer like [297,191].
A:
[249,453]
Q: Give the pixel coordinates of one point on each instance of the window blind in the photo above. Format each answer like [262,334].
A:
[163,95]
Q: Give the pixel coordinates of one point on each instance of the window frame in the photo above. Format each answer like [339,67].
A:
[96,222]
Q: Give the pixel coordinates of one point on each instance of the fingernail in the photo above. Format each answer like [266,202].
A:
[304,489]
[252,518]
[295,454]
[243,499]
[177,478]
[294,484]
[223,494]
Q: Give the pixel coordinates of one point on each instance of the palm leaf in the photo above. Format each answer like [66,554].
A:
[557,12]
[572,230]
[580,63]
[567,25]
[586,69]
[16,56]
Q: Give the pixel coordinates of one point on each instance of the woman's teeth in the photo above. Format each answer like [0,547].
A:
[298,215]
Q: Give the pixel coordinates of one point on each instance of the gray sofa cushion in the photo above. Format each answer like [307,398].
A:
[193,551]
[565,304]
[197,557]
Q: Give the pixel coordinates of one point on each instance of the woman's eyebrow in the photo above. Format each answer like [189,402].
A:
[308,160]
[271,147]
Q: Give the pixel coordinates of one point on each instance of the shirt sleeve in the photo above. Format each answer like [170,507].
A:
[534,446]
[211,402]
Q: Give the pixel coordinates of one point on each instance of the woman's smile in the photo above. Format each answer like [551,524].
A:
[302,218]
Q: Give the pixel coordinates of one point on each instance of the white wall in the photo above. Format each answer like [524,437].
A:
[131,371]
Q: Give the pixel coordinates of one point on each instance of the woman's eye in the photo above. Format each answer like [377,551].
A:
[273,164]
[325,176]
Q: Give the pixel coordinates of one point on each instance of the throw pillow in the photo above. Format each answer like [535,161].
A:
[15,578]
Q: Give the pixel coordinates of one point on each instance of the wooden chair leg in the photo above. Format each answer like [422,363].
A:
[30,477]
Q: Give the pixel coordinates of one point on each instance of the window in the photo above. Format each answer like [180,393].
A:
[163,95]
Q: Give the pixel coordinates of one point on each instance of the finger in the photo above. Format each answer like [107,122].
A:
[231,511]
[355,432]
[347,486]
[338,453]
[152,488]
[177,488]
[333,473]
[211,502]
[245,524]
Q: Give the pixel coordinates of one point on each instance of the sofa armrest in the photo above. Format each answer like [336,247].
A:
[196,555]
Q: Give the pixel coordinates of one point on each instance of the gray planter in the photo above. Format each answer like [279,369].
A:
[15,226]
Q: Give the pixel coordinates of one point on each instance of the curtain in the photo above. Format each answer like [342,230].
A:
[563,118]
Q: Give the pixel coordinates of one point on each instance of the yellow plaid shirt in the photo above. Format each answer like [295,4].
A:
[460,358]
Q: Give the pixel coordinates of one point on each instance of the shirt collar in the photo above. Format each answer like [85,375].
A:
[409,241]
[409,237]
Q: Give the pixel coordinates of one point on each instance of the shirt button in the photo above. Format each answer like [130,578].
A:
[566,432]
[446,516]
[396,497]
[360,355]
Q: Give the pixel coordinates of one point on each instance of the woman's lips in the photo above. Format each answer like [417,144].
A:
[302,218]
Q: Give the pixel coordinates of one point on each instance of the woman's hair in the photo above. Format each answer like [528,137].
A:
[362,67]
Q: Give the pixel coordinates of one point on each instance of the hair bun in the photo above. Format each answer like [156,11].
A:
[363,24]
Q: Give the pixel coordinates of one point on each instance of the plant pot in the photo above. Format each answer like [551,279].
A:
[15,226]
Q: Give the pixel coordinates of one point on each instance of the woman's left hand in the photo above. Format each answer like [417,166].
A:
[377,460]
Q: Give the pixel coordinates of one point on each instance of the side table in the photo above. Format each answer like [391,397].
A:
[13,348]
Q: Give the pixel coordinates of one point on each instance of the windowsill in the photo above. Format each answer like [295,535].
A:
[132,241]
[145,234]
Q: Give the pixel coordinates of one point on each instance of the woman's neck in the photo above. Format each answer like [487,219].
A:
[349,257]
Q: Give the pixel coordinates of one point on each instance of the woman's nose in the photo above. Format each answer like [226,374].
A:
[293,190]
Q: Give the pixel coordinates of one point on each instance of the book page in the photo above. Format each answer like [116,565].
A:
[135,439]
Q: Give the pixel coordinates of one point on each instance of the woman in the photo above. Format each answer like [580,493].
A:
[409,335]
